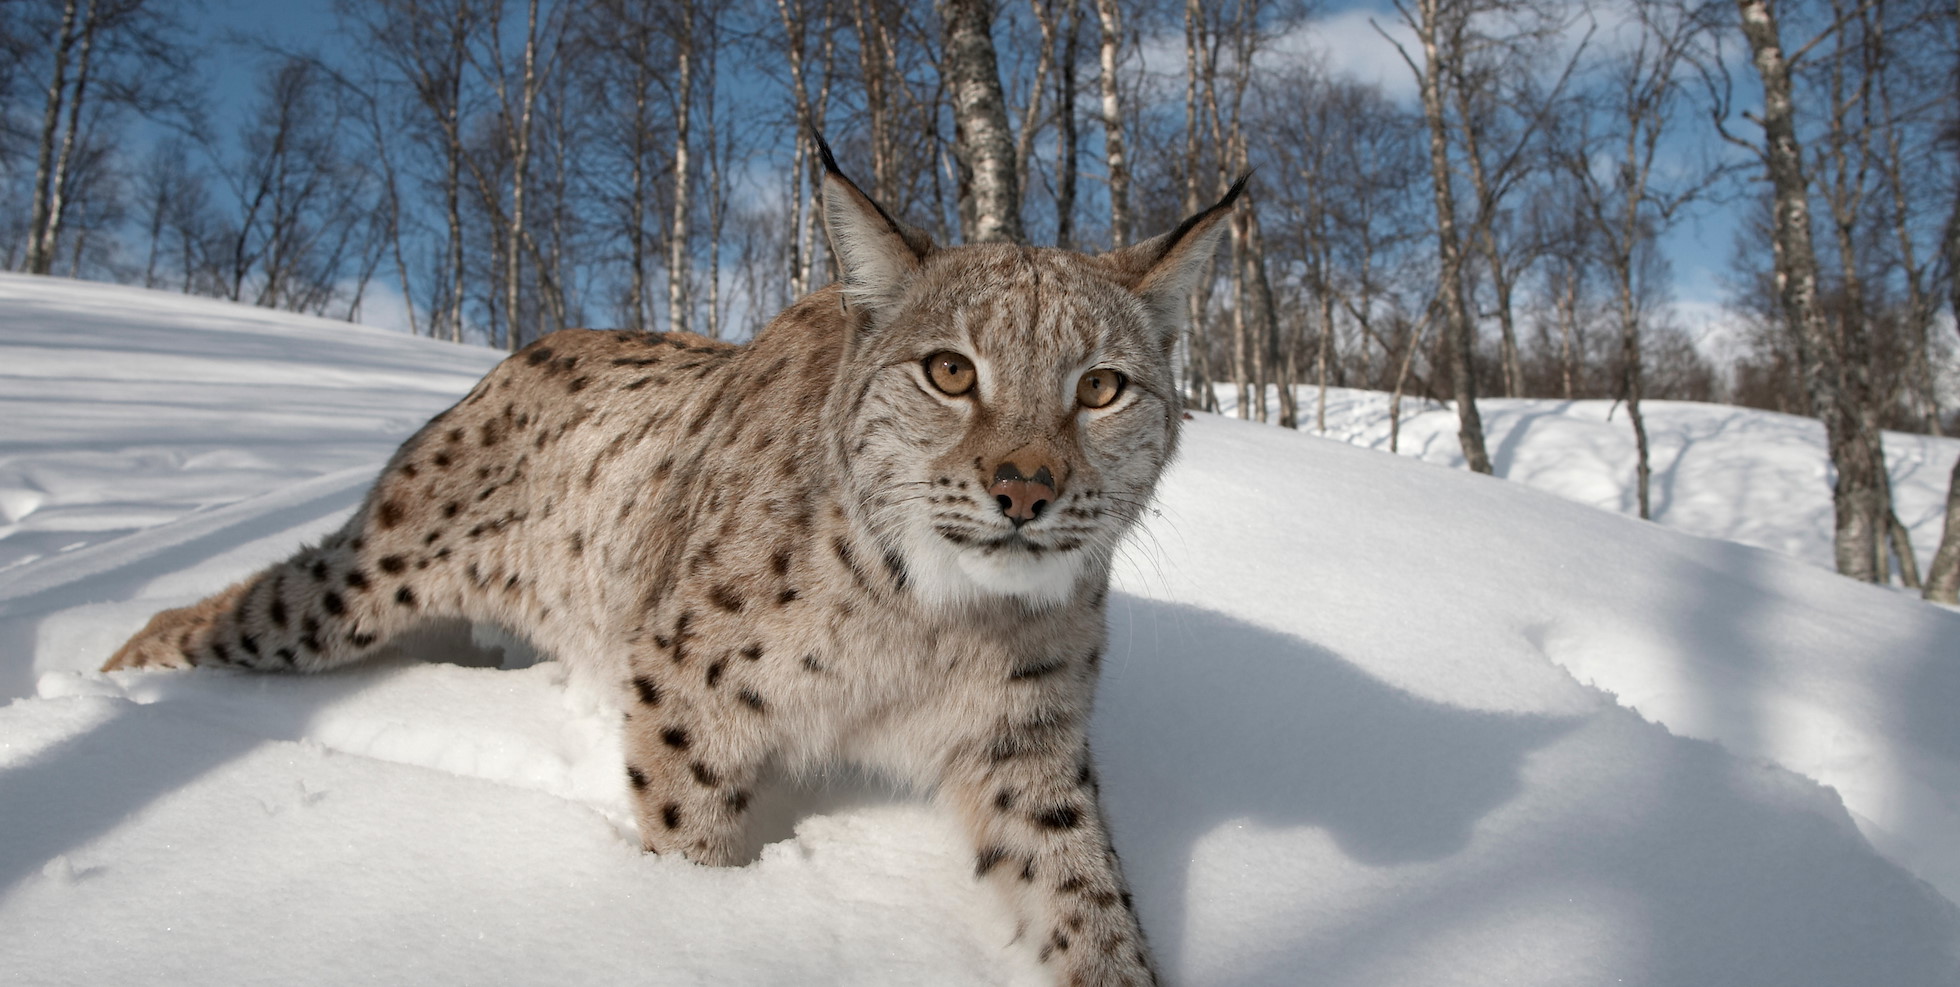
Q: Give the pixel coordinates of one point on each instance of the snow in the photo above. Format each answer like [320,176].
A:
[1364,720]
[1737,474]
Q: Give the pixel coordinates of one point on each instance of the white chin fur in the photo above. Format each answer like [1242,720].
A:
[942,573]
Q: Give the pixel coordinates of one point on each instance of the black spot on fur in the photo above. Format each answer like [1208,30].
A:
[1004,800]
[725,597]
[670,815]
[637,778]
[319,570]
[450,509]
[538,356]
[356,579]
[811,664]
[391,564]
[277,610]
[783,598]
[387,514]
[849,559]
[752,652]
[896,566]
[1037,670]
[737,801]
[703,774]
[988,860]
[360,639]
[648,689]
[714,672]
[779,562]
[333,604]
[753,699]
[676,738]
[250,644]
[405,596]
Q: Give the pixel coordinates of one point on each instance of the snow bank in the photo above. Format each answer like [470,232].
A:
[1364,721]
[1755,477]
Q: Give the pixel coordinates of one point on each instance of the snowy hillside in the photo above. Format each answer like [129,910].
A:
[1365,721]
[1754,477]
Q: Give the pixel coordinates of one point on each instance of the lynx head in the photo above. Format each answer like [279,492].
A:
[1003,413]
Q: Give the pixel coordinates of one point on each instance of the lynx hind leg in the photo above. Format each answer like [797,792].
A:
[319,609]
[173,638]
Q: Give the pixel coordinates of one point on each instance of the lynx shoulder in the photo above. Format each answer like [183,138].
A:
[880,533]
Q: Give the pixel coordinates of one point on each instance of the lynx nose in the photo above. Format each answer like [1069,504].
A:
[1021,497]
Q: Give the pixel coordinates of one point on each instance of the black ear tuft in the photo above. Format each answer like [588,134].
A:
[1163,270]
[830,160]
[877,255]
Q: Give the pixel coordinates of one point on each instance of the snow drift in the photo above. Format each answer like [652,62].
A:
[1364,720]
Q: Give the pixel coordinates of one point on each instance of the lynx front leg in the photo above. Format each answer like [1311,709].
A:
[690,780]
[1030,800]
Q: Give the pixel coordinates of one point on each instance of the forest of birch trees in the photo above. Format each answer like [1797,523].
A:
[1480,207]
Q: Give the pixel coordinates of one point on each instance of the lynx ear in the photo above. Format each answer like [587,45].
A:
[1164,270]
[876,254]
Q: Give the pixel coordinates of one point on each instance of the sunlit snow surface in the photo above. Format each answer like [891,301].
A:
[1364,720]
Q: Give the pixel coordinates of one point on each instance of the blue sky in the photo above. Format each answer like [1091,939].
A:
[1698,248]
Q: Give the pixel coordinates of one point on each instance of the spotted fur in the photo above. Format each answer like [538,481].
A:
[788,552]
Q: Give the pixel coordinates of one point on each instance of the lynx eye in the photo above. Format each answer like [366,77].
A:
[950,372]
[1099,387]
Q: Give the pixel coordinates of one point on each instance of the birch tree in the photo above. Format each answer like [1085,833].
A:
[983,145]
[1859,500]
[1632,114]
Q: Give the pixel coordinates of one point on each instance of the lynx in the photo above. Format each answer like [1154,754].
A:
[880,534]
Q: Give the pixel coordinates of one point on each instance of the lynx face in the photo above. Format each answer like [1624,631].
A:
[1009,416]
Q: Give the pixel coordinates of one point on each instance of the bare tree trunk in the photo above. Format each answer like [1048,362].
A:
[1921,304]
[1943,573]
[1459,331]
[1069,140]
[677,252]
[1632,385]
[1324,355]
[809,120]
[1858,492]
[40,249]
[717,181]
[1109,16]
[520,160]
[392,185]
[1033,119]
[453,166]
[1568,322]
[637,316]
[65,161]
[1485,232]
[1198,348]
[983,145]
[1401,381]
